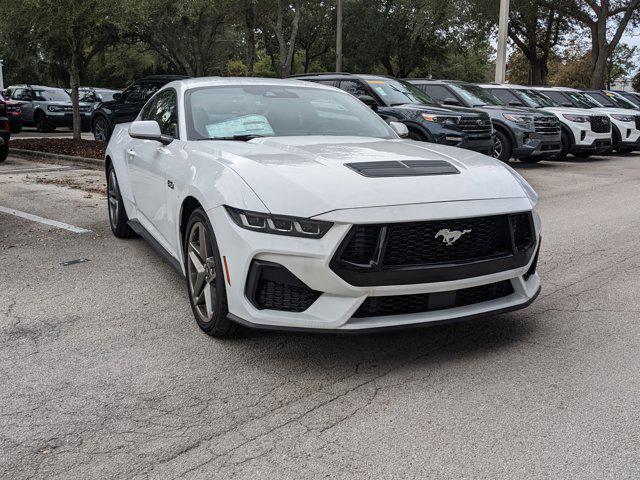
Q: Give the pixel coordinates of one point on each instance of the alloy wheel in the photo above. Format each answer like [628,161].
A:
[113,194]
[202,272]
[100,130]
[497,148]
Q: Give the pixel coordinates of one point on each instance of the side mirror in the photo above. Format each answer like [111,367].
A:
[400,128]
[368,100]
[117,96]
[450,101]
[148,130]
[513,103]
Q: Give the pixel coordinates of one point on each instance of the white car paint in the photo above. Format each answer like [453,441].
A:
[305,176]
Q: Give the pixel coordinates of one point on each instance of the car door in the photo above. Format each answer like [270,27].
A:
[148,161]
[24,98]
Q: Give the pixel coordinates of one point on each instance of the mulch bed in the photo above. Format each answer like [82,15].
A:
[62,146]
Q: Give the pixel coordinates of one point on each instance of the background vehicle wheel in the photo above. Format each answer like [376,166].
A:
[117,215]
[205,278]
[43,125]
[582,154]
[4,152]
[415,135]
[16,129]
[502,148]
[101,130]
[530,160]
[565,145]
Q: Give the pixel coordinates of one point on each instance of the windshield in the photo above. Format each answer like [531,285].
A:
[398,92]
[475,96]
[535,99]
[582,100]
[272,111]
[617,100]
[51,96]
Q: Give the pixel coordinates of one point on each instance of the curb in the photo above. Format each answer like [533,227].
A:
[93,163]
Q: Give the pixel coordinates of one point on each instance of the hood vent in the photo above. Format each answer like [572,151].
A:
[406,168]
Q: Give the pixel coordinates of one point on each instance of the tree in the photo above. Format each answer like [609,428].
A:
[247,8]
[316,35]
[280,22]
[620,63]
[635,83]
[597,16]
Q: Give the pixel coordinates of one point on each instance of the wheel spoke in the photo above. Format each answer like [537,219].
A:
[208,299]
[199,274]
[202,241]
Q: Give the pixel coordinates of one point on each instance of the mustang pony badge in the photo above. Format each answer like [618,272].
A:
[450,237]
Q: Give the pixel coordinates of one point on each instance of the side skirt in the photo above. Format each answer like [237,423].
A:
[140,230]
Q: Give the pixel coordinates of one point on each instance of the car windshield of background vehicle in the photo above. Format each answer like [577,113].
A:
[395,92]
[475,96]
[245,112]
[105,96]
[582,100]
[51,96]
[536,99]
[617,100]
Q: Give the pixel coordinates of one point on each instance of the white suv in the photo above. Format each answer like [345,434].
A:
[584,132]
[625,133]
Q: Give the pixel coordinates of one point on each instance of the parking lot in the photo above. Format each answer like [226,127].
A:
[105,374]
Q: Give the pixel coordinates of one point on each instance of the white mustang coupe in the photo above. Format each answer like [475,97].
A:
[292,205]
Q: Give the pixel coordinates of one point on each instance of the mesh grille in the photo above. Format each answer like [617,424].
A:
[479,124]
[547,125]
[362,245]
[429,302]
[600,124]
[281,296]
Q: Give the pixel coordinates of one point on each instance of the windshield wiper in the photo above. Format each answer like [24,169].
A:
[241,138]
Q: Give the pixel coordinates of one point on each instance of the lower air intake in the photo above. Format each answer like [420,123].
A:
[429,302]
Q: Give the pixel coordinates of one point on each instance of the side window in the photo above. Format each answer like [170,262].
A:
[558,97]
[163,108]
[354,87]
[331,83]
[438,92]
[21,94]
[505,95]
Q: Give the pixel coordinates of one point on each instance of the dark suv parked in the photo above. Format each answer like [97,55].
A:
[5,133]
[523,133]
[398,101]
[125,106]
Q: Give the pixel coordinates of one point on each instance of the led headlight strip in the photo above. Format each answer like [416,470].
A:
[279,224]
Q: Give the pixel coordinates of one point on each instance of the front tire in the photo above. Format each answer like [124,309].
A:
[101,130]
[117,214]
[43,125]
[205,278]
[502,148]
[565,145]
[4,153]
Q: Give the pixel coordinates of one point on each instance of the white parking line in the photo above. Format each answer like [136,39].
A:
[46,221]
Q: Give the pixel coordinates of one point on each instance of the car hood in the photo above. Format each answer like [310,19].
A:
[615,111]
[513,110]
[436,109]
[307,176]
[569,110]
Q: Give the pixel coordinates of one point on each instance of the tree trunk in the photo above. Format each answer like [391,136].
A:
[74,74]
[250,36]
[599,74]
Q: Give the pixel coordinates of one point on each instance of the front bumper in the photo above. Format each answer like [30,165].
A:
[482,143]
[309,260]
[597,146]
[65,119]
[532,144]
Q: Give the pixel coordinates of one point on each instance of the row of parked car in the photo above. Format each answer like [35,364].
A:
[507,121]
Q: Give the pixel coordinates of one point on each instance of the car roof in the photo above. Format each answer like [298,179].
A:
[189,83]
[435,80]
[35,87]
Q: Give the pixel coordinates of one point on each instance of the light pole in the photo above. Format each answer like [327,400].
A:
[501,60]
[339,36]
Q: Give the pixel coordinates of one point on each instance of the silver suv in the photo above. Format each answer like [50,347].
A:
[48,107]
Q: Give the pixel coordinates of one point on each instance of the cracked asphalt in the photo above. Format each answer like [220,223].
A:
[104,373]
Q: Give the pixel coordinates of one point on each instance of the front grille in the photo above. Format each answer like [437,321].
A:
[638,122]
[547,125]
[440,250]
[475,125]
[429,302]
[600,124]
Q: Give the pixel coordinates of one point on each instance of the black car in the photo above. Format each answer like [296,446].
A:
[5,133]
[523,133]
[633,97]
[611,99]
[398,101]
[125,106]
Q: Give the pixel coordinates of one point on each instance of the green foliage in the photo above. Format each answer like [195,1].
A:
[236,68]
[635,83]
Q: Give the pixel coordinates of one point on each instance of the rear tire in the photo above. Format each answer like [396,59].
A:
[4,153]
[43,125]
[118,218]
[101,130]
[502,148]
[205,278]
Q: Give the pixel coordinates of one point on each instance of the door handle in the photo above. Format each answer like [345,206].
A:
[131,153]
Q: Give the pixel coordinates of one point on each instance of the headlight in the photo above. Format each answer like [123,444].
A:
[518,118]
[85,109]
[55,108]
[623,118]
[279,224]
[441,119]
[576,118]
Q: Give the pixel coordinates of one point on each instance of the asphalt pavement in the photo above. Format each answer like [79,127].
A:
[104,373]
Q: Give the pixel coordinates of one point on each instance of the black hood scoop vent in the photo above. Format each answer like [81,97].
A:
[405,168]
